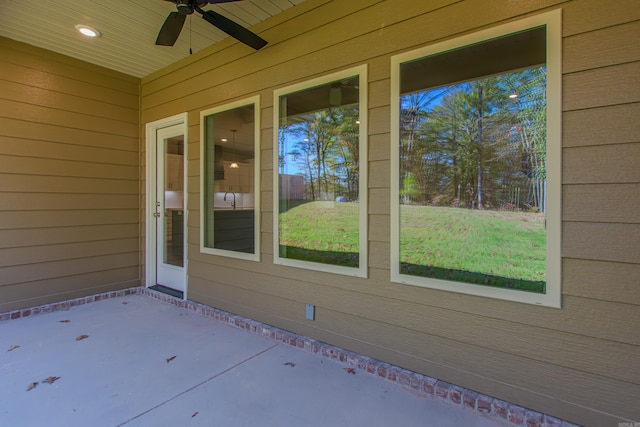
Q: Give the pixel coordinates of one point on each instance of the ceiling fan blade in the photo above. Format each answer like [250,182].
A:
[234,29]
[170,29]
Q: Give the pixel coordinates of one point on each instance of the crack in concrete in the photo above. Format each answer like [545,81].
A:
[198,385]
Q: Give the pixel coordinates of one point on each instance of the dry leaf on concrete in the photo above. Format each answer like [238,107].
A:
[50,380]
[32,386]
[350,371]
[81,337]
[64,321]
[13,347]
[194,414]
[169,359]
[289,364]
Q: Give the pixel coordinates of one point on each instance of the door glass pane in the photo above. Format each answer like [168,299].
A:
[174,201]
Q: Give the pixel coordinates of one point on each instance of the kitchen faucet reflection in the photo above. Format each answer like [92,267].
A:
[234,199]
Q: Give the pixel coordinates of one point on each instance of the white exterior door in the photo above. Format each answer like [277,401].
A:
[166,144]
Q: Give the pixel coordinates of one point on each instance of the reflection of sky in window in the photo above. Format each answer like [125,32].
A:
[428,99]
[522,94]
[286,141]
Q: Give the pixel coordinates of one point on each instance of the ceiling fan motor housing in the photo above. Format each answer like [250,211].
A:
[184,7]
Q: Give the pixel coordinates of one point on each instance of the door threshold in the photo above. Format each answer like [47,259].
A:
[168,291]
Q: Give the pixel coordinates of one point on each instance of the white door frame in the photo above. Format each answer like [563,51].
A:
[150,202]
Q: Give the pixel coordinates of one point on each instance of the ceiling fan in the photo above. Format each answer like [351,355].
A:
[173,24]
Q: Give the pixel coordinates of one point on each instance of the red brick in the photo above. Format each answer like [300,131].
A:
[417,381]
[516,415]
[372,367]
[533,419]
[469,398]
[15,314]
[442,389]
[429,385]
[501,408]
[392,374]
[362,363]
[404,378]
[455,394]
[382,370]
[483,403]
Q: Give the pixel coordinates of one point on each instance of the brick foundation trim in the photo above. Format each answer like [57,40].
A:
[66,305]
[423,385]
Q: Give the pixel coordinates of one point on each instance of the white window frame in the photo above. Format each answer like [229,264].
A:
[362,269]
[255,100]
[552,296]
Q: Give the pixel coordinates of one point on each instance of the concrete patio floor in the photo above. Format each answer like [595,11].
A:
[138,361]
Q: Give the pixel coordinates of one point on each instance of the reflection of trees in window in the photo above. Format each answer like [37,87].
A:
[320,217]
[326,152]
[479,144]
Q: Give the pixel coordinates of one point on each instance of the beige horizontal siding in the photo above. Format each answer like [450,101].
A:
[24,130]
[614,85]
[69,178]
[28,255]
[52,67]
[18,92]
[22,147]
[69,202]
[616,124]
[578,362]
[64,268]
[51,289]
[602,164]
[607,281]
[609,46]
[588,15]
[12,219]
[49,236]
[602,203]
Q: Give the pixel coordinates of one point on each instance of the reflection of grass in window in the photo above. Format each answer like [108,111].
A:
[325,232]
[504,249]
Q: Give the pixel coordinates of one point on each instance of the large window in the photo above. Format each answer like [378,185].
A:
[320,174]
[230,170]
[476,163]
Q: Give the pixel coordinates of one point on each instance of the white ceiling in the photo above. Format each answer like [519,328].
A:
[129,29]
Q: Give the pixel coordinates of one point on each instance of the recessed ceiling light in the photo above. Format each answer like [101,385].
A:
[88,31]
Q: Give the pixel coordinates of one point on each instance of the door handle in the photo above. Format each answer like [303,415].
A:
[156,214]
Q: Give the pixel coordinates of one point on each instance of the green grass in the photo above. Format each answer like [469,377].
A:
[325,232]
[505,249]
